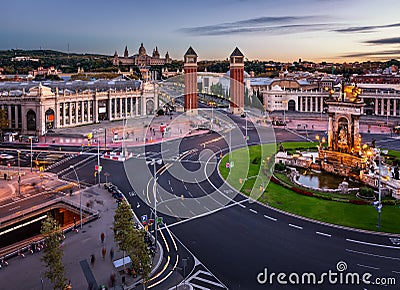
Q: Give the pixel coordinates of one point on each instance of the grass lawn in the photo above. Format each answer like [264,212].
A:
[340,213]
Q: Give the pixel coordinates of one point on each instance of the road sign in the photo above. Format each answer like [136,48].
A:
[160,220]
[143,218]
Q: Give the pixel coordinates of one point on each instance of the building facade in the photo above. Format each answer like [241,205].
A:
[42,108]
[141,59]
[379,100]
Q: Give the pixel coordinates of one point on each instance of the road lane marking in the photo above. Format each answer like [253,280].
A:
[373,255]
[369,267]
[296,227]
[396,272]
[253,211]
[372,244]
[323,234]
[270,218]
[242,205]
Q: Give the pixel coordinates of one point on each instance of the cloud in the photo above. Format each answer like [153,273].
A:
[281,24]
[393,40]
[366,29]
[381,53]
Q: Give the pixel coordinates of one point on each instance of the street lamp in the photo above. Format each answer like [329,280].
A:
[98,153]
[379,207]
[80,194]
[212,103]
[30,139]
[153,162]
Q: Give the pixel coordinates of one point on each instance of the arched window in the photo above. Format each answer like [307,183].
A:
[31,120]
[49,115]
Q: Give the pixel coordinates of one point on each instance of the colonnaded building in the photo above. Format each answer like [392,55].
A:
[34,108]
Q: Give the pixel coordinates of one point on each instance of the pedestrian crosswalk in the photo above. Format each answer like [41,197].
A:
[202,279]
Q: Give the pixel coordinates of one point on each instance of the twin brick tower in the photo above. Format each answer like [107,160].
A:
[236,81]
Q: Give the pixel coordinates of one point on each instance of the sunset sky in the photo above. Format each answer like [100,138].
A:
[285,30]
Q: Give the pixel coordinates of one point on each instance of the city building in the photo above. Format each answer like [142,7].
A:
[141,59]
[41,71]
[190,91]
[36,108]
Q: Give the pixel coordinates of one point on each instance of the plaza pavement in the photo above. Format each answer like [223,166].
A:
[28,272]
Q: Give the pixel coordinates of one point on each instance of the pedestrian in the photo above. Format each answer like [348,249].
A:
[103,252]
[112,254]
[112,278]
[102,237]
[92,259]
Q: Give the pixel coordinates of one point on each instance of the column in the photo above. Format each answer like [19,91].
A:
[131,100]
[88,111]
[95,110]
[300,104]
[376,106]
[382,107]
[321,104]
[126,107]
[311,104]
[57,115]
[394,107]
[306,107]
[109,113]
[9,116]
[64,110]
[144,106]
[137,106]
[330,133]
[388,107]
[115,108]
[16,115]
[76,112]
[120,107]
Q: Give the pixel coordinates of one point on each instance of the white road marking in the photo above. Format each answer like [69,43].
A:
[369,267]
[296,227]
[242,205]
[323,234]
[373,255]
[270,218]
[172,189]
[253,211]
[372,244]
[396,272]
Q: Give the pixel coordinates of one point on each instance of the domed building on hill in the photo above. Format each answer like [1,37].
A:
[141,58]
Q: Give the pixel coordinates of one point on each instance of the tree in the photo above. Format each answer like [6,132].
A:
[3,121]
[131,240]
[53,254]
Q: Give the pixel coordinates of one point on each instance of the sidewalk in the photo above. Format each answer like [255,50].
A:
[138,131]
[78,248]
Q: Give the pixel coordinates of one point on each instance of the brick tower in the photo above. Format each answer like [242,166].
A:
[190,66]
[236,81]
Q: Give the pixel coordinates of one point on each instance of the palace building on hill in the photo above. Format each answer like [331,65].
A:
[141,59]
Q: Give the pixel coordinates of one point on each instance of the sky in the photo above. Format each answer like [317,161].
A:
[279,30]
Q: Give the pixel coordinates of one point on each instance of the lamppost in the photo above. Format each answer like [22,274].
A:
[212,103]
[80,194]
[98,153]
[379,206]
[30,139]
[19,175]
[153,162]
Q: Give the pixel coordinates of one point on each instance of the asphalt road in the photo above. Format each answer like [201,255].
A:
[234,242]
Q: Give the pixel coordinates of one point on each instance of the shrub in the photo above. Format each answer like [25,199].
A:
[366,192]
[280,166]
